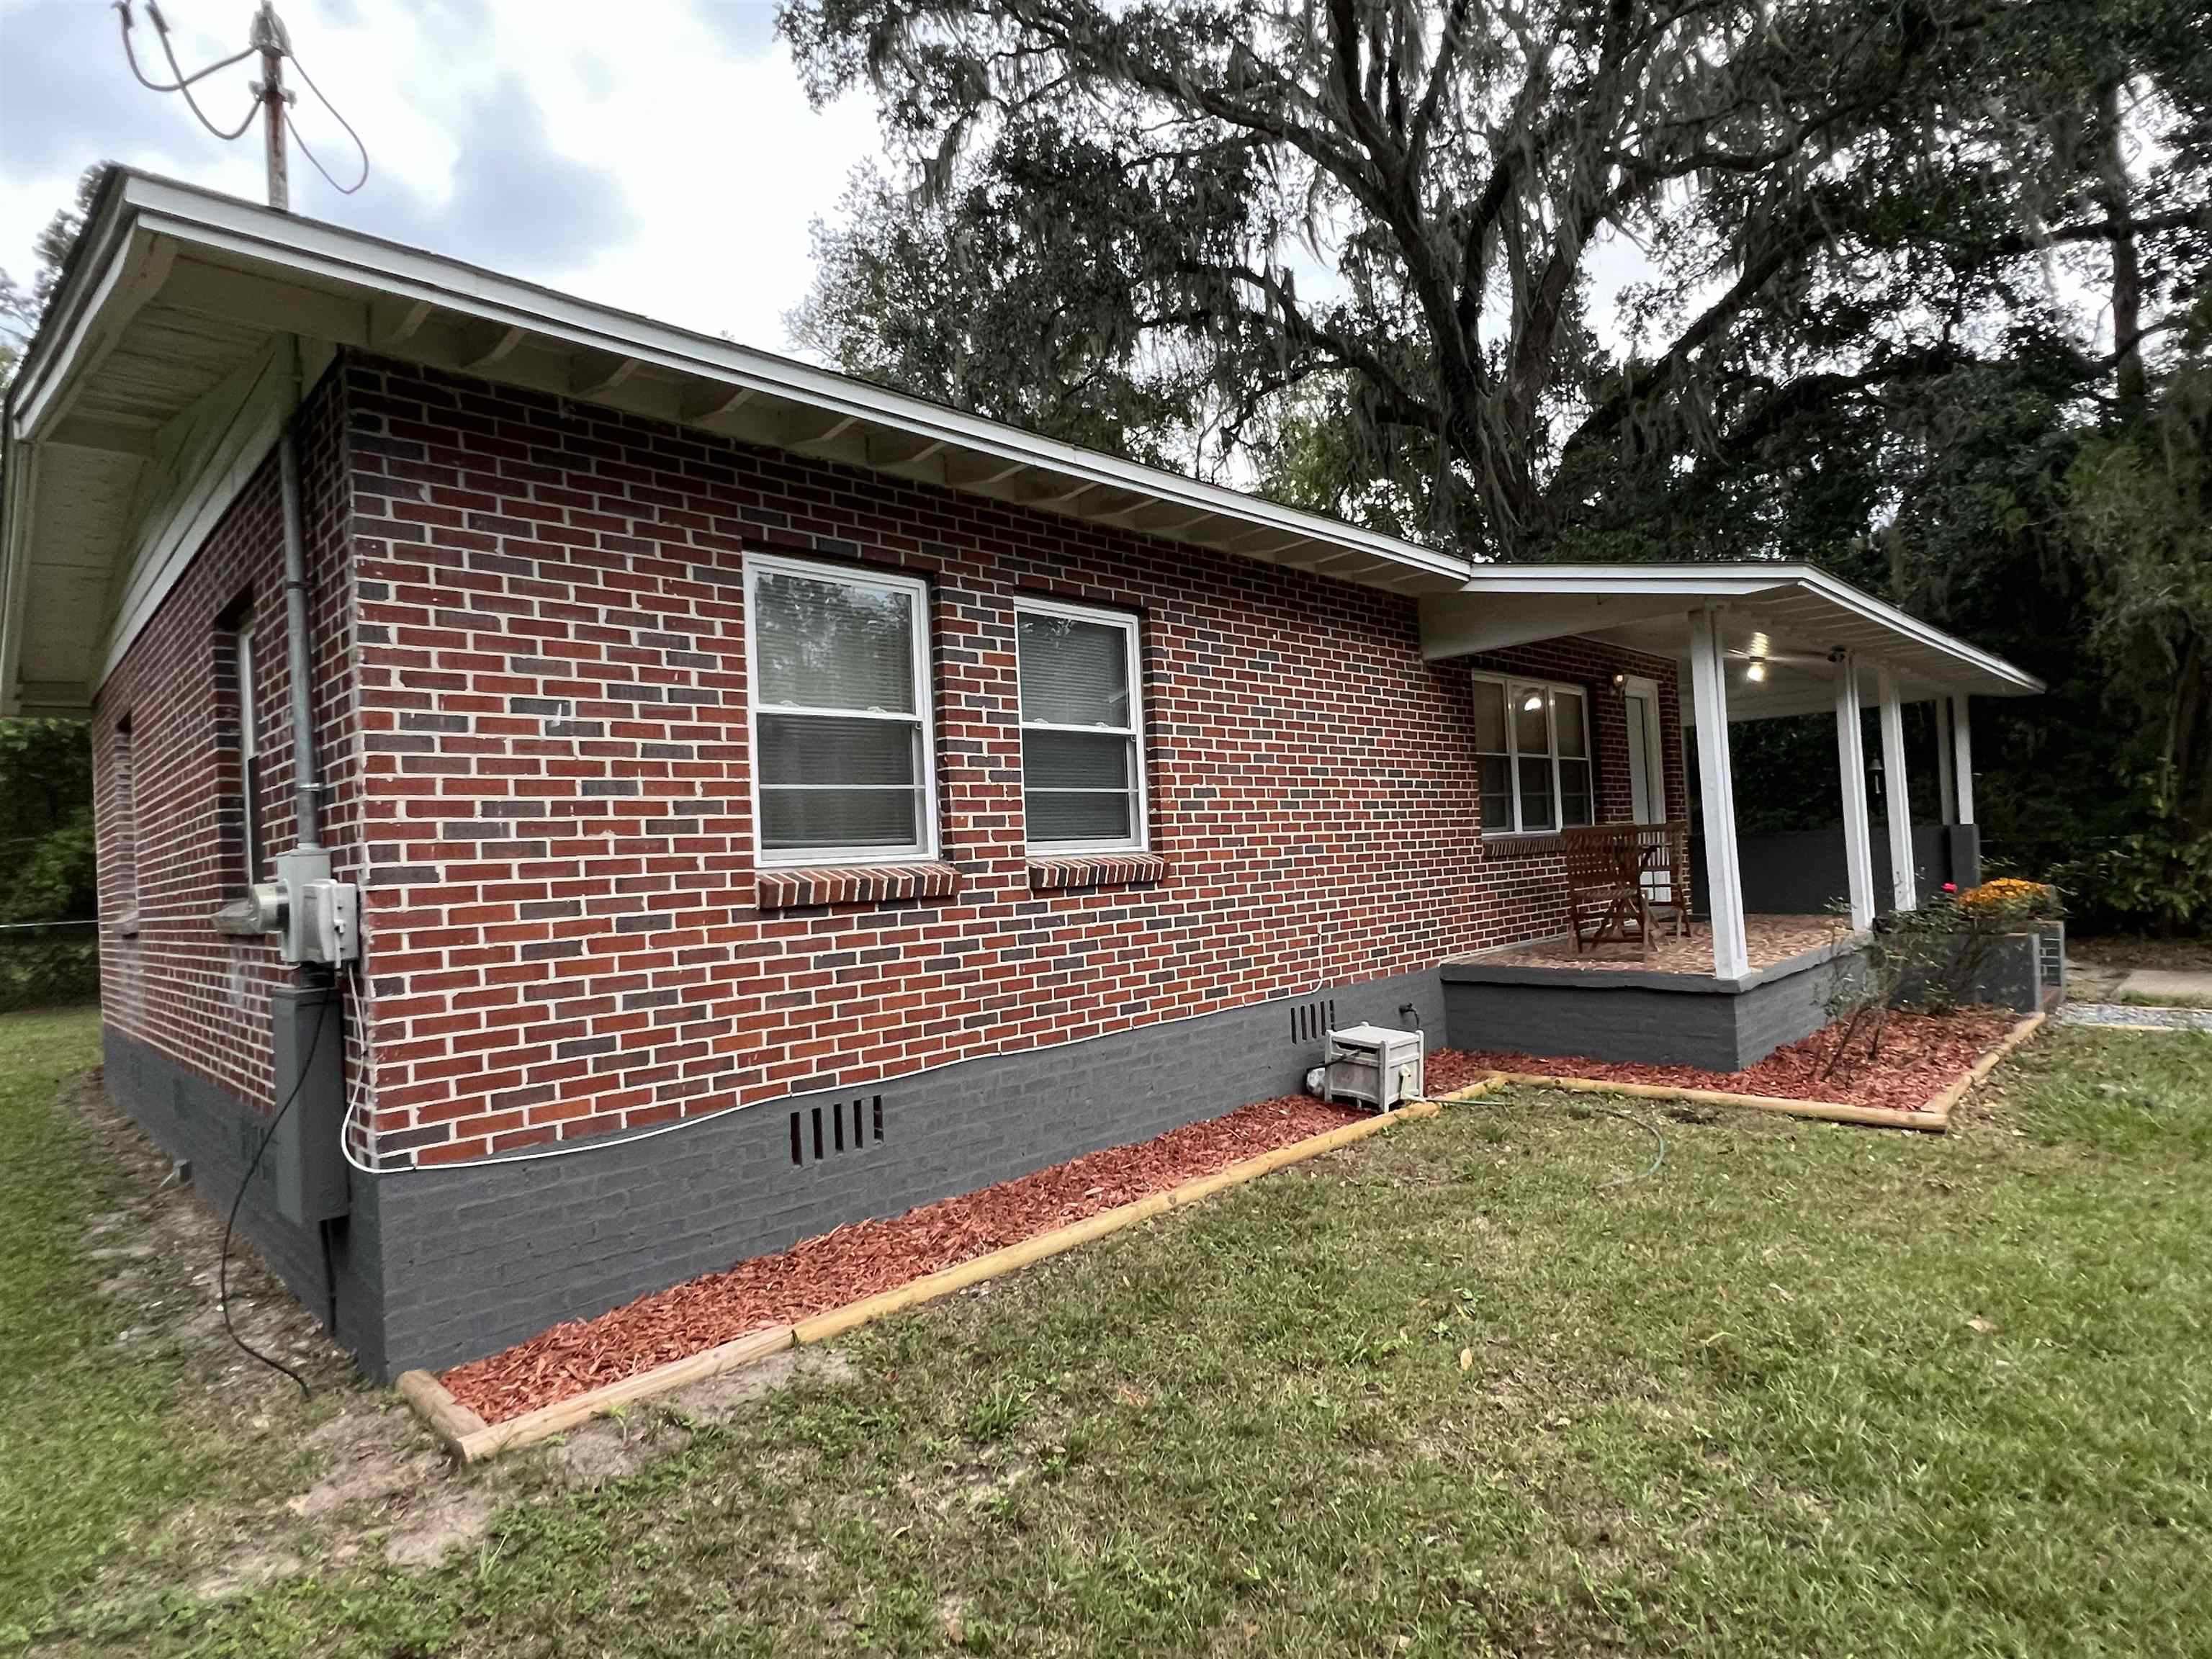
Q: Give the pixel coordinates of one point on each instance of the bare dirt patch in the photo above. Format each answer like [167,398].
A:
[372,1480]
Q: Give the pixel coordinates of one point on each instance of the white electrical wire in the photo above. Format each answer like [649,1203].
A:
[293,127]
[595,1143]
[183,82]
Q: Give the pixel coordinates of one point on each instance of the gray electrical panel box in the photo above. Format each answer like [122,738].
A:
[304,1167]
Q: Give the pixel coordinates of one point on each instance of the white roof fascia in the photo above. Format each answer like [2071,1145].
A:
[1722,582]
[196,218]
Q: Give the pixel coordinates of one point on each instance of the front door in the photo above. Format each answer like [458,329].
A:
[1647,786]
[1647,794]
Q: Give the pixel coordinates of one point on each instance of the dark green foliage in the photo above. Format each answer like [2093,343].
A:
[49,942]
[45,821]
[21,307]
[1912,299]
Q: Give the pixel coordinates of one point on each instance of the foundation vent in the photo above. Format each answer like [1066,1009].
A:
[1310,1020]
[844,1126]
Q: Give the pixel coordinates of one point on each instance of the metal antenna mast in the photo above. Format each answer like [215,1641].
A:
[268,39]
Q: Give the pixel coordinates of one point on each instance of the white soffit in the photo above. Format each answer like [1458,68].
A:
[142,401]
[1797,612]
[175,291]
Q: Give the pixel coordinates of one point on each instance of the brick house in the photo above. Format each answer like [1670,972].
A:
[738,800]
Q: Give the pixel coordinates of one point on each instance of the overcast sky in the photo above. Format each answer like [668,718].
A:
[655,155]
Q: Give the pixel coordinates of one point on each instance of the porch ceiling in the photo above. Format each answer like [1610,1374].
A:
[1795,618]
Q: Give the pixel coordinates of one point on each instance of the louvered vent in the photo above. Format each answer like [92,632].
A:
[846,1126]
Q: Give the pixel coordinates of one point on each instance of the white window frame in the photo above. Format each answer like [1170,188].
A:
[916,592]
[1551,689]
[1140,809]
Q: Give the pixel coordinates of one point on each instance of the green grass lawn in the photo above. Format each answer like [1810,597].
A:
[1808,1389]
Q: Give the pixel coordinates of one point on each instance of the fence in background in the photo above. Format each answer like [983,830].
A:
[42,963]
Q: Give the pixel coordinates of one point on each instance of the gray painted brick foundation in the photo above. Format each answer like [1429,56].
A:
[434,1267]
[1666,1020]
[439,1265]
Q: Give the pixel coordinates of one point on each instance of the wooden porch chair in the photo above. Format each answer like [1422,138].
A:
[1606,900]
[1621,878]
[1663,859]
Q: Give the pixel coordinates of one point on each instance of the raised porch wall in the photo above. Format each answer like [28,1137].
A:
[1630,1014]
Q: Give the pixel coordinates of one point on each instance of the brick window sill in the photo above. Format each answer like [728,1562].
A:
[819,885]
[1508,846]
[1096,870]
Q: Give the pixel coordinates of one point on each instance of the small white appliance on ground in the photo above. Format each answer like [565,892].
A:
[1382,1068]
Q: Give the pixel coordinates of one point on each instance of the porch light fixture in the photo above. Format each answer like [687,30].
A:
[1757,671]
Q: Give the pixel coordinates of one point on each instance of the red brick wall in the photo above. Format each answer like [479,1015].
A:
[543,766]
[1529,878]
[565,925]
[169,824]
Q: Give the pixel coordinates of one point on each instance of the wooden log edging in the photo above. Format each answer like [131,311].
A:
[1932,1117]
[470,1439]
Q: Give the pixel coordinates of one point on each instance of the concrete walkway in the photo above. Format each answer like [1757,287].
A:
[2182,987]
[2136,1017]
[2102,982]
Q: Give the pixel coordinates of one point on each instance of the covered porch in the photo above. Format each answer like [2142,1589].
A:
[1768,912]
[1769,941]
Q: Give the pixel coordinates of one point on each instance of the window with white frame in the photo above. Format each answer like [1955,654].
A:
[1083,750]
[1532,744]
[842,740]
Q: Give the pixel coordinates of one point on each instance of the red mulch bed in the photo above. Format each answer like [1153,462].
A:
[1921,1054]
[817,1274]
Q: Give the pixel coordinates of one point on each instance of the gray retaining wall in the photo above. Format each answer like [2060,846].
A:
[439,1265]
[1625,1014]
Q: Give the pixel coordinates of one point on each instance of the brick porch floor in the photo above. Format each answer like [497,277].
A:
[1771,939]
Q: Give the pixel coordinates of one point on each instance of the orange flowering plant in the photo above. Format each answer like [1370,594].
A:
[2007,898]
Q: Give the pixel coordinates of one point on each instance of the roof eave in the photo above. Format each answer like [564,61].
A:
[1720,583]
[244,231]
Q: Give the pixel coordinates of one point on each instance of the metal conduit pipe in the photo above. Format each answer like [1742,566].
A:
[307,778]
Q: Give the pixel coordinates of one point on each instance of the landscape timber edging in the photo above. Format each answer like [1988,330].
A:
[470,1439]
[1932,1117]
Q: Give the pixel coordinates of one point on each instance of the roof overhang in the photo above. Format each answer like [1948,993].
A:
[186,321]
[178,303]
[1794,620]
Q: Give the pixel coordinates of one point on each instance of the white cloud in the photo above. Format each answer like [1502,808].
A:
[658,156]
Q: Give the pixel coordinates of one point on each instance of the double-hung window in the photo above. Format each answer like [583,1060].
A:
[841,740]
[1083,749]
[1531,746]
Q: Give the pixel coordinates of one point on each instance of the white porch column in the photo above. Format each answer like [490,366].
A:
[1946,796]
[1717,790]
[1962,761]
[1850,764]
[1905,891]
